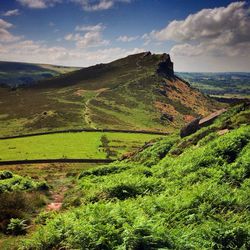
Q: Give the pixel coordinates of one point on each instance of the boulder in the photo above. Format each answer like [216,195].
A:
[166,116]
[190,128]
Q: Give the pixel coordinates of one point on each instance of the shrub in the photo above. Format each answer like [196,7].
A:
[17,226]
[142,238]
[105,170]
[126,185]
[119,225]
[229,146]
[42,186]
[18,204]
[5,175]
[44,216]
[11,182]
[153,154]
[231,238]
[122,191]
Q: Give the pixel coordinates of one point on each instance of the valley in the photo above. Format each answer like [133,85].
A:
[223,84]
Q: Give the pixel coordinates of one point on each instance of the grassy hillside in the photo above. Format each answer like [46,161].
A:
[138,92]
[82,145]
[14,74]
[189,193]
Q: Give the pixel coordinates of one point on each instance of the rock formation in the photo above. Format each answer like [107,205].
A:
[166,66]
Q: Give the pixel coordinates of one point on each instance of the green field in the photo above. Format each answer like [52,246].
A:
[81,145]
[223,84]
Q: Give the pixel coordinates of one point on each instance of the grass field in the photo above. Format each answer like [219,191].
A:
[82,145]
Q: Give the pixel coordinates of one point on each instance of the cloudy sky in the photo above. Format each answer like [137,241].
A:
[207,35]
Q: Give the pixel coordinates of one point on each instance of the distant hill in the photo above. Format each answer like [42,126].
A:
[17,73]
[228,84]
[138,92]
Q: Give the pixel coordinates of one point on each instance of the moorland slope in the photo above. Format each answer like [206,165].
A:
[138,92]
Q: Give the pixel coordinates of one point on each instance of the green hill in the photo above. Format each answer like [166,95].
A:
[14,74]
[139,92]
[189,193]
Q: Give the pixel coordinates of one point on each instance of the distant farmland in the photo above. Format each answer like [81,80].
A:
[80,145]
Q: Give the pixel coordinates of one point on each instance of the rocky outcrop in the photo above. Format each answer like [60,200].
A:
[198,123]
[147,53]
[190,128]
[206,121]
[166,66]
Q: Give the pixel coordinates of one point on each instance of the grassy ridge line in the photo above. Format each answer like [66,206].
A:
[85,130]
[14,162]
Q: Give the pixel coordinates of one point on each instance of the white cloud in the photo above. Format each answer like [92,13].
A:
[87,5]
[90,5]
[207,24]
[97,27]
[14,12]
[127,38]
[38,4]
[89,39]
[4,24]
[5,35]
[92,38]
[223,31]
[147,39]
[38,52]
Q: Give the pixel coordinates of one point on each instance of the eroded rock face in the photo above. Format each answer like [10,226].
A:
[190,128]
[198,123]
[166,66]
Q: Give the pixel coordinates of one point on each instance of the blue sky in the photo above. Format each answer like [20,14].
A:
[199,35]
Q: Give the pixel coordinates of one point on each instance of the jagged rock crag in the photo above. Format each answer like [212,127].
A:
[166,67]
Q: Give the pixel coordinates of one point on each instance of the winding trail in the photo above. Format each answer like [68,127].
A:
[57,199]
[87,110]
[57,192]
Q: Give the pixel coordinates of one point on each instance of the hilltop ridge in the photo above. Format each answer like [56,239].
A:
[138,92]
[136,65]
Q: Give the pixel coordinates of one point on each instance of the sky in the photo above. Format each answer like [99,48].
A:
[200,36]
